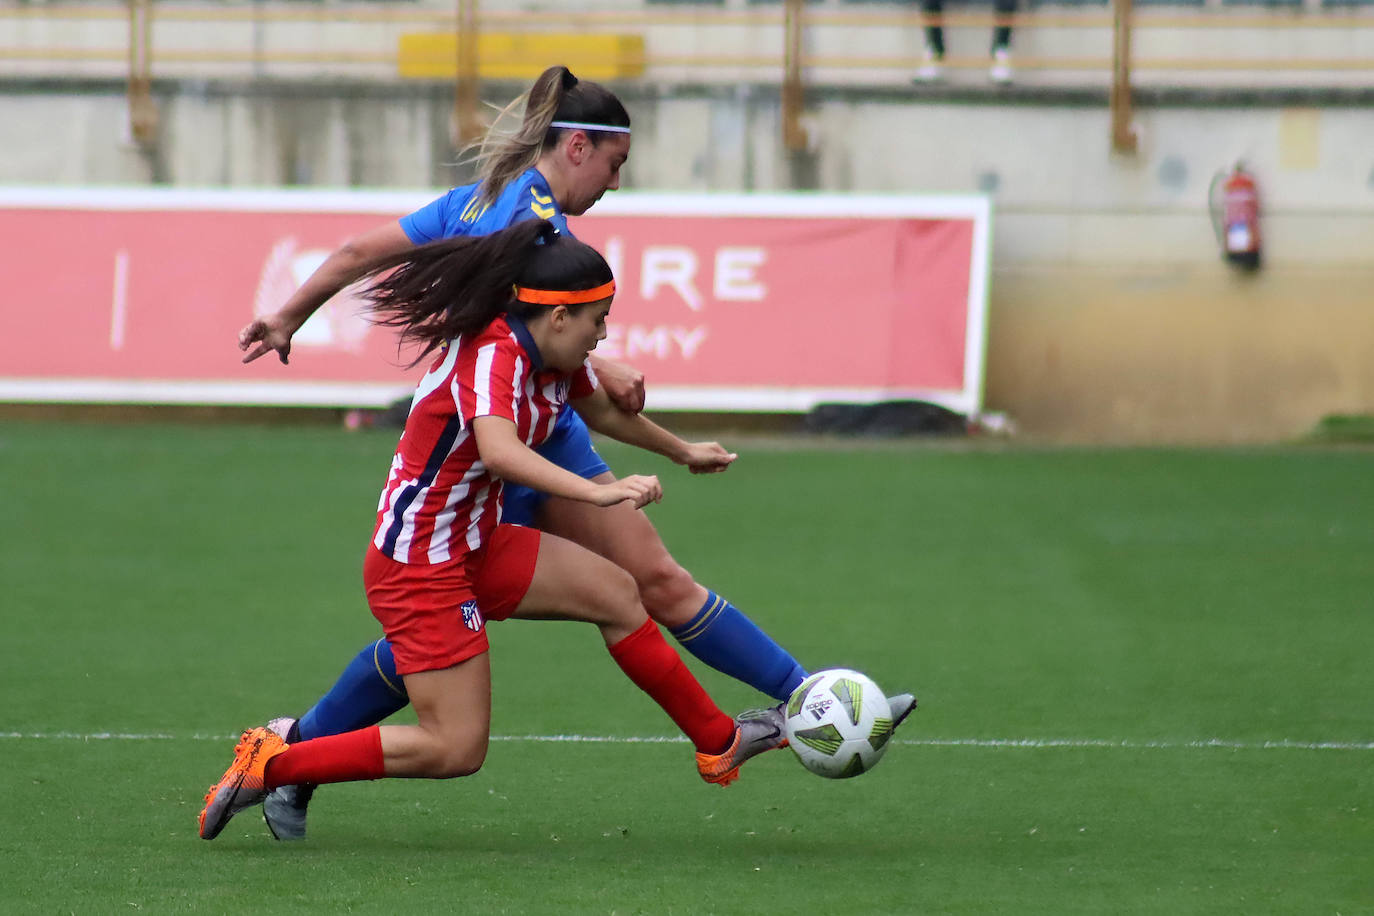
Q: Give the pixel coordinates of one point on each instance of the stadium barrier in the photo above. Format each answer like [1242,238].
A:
[707,44]
[727,302]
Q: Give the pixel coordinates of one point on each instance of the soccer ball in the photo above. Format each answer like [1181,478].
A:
[838,723]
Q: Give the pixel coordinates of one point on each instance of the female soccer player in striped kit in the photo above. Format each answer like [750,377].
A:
[514,316]
[573,139]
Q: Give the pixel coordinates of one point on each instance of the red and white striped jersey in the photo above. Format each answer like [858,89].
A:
[440,501]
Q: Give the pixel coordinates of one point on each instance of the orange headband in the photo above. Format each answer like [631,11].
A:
[564,297]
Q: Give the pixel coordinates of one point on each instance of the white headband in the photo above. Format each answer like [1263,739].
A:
[578,125]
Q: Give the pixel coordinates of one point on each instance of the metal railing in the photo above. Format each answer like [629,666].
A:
[186,47]
[791,45]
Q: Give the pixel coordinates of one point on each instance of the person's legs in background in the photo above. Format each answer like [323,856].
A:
[1000,71]
[932,68]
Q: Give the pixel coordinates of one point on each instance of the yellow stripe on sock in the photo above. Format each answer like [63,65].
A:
[376,663]
[696,629]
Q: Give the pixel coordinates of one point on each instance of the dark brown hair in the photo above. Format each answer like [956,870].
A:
[458,285]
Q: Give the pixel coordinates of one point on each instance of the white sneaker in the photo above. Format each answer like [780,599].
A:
[1000,72]
[932,69]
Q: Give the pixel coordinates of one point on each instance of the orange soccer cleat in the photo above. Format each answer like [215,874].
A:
[243,784]
[756,731]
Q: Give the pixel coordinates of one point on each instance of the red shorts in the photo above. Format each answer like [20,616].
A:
[435,615]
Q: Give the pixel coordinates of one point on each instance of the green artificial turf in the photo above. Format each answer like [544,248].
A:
[1144,678]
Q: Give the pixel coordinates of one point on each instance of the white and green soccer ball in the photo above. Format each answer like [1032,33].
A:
[838,723]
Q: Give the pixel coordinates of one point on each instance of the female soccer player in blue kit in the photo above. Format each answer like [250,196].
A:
[568,151]
[512,317]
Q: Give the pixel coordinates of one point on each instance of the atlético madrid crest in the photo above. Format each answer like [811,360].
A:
[472,615]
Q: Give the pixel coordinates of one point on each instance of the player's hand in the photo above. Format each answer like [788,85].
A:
[264,335]
[638,489]
[708,457]
[624,384]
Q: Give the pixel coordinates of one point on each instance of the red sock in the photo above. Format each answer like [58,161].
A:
[334,758]
[657,670]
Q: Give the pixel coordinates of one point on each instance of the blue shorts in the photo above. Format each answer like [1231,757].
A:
[570,447]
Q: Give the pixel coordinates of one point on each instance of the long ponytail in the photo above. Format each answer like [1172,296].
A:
[556,95]
[458,285]
[450,287]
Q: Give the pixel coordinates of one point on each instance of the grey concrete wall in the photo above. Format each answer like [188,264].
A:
[1061,194]
[1111,316]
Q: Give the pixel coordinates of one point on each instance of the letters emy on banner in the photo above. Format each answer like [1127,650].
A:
[725,302]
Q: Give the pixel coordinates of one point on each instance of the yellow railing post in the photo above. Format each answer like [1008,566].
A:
[1123,134]
[142,110]
[793,133]
[467,126]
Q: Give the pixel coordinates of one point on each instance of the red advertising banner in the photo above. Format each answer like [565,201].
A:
[725,302]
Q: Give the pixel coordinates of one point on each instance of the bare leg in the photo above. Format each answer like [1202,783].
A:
[454,709]
[707,625]
[572,583]
[625,536]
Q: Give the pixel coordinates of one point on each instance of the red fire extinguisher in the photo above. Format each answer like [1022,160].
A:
[1235,216]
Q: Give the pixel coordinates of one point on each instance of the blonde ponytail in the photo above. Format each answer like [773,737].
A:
[556,95]
[502,156]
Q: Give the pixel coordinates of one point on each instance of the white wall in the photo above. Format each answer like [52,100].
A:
[1112,318]
[1059,192]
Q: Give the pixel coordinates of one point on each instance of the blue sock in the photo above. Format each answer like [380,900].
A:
[731,643]
[367,692]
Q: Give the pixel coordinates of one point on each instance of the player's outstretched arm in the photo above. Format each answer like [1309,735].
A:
[274,332]
[508,458]
[635,429]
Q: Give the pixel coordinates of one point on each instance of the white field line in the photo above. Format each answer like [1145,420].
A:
[1017,743]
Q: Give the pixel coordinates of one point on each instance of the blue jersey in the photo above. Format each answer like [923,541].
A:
[458,213]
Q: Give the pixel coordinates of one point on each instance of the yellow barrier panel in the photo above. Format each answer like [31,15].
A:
[523,56]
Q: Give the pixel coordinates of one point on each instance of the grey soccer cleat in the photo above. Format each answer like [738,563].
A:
[756,731]
[902,705]
[284,807]
[284,810]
